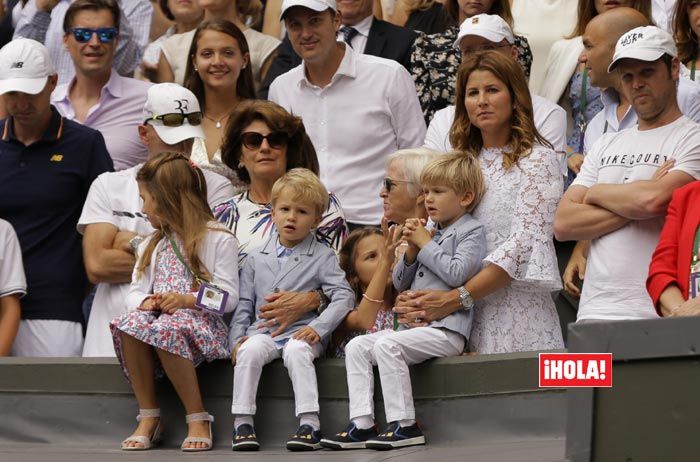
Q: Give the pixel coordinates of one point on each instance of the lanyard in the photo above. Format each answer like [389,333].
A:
[182,260]
[692,70]
[582,109]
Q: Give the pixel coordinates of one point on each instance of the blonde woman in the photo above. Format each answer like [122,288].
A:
[514,310]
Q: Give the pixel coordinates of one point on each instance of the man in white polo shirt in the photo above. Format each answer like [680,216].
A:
[619,198]
[357,109]
[490,32]
[112,223]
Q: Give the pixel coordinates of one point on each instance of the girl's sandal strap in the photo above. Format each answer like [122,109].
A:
[148,413]
[198,417]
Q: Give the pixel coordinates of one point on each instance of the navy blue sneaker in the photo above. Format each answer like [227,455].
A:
[244,439]
[350,438]
[396,436]
[305,439]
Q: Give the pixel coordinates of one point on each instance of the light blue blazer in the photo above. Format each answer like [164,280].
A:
[311,266]
[447,262]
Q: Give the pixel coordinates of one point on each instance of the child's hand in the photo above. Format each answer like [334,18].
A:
[170,302]
[150,303]
[308,335]
[392,239]
[234,352]
[415,233]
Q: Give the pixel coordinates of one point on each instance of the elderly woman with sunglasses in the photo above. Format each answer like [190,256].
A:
[402,194]
[262,142]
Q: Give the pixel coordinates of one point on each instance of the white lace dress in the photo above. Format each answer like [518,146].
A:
[517,212]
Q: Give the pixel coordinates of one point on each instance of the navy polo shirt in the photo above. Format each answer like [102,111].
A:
[42,190]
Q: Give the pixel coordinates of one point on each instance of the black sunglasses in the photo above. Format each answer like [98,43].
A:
[176,119]
[389,183]
[104,34]
[253,140]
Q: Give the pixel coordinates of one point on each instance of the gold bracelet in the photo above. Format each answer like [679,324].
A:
[371,299]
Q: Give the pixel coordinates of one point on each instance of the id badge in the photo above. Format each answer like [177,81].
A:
[211,298]
[694,288]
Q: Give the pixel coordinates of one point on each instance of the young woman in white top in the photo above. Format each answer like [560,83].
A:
[686,30]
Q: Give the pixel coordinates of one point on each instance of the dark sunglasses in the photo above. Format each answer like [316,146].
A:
[104,34]
[253,140]
[176,119]
[389,183]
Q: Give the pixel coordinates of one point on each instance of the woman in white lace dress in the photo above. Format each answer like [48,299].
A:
[514,310]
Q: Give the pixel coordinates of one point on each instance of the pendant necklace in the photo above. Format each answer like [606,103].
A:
[218,122]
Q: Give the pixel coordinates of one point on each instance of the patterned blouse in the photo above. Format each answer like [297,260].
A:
[252,224]
[434,65]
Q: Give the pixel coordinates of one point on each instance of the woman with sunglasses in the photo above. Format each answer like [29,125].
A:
[219,74]
[263,141]
[494,122]
[402,194]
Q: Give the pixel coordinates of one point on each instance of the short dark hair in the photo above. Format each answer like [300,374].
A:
[92,5]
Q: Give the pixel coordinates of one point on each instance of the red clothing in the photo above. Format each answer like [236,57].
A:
[670,263]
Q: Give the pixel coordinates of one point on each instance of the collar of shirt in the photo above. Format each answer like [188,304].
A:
[114,86]
[282,251]
[361,27]
[611,101]
[53,131]
[348,68]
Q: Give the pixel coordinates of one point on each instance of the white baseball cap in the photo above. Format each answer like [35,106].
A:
[646,43]
[25,66]
[171,98]
[489,26]
[316,5]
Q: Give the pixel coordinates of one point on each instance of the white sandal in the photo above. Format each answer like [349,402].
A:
[147,442]
[198,417]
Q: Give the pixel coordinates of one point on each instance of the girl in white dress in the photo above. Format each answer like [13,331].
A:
[514,310]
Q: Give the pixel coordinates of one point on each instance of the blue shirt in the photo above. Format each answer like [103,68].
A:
[42,190]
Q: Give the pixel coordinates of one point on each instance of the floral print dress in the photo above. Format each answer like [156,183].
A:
[192,334]
[434,65]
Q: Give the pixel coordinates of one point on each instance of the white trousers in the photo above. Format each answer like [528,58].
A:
[392,352]
[298,357]
[48,337]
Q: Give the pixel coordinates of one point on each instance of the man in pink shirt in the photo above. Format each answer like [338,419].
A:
[99,97]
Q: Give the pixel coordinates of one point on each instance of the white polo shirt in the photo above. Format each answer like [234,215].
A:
[12,279]
[550,121]
[368,111]
[114,198]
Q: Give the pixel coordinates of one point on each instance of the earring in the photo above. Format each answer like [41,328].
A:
[196,69]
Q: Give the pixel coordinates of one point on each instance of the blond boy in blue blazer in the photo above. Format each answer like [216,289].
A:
[291,260]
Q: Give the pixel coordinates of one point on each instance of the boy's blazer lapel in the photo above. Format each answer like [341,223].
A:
[302,253]
[269,250]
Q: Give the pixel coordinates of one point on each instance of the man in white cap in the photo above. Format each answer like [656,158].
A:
[357,108]
[112,223]
[47,164]
[485,32]
[619,198]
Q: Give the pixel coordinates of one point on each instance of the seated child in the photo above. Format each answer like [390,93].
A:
[290,260]
[453,185]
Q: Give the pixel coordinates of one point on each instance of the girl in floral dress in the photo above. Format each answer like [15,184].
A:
[185,278]
[367,258]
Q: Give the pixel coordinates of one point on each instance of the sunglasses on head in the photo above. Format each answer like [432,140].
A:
[389,183]
[176,119]
[104,34]
[253,140]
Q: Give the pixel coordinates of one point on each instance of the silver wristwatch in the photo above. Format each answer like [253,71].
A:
[134,243]
[466,298]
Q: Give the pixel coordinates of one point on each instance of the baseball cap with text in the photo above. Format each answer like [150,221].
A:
[316,5]
[171,98]
[489,26]
[25,66]
[646,43]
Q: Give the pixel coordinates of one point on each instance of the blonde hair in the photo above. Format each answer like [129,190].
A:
[305,186]
[458,171]
[523,133]
[179,191]
[412,162]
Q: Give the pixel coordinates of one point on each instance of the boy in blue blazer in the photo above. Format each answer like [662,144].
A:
[290,260]
[442,259]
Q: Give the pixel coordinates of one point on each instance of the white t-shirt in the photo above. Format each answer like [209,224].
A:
[12,279]
[618,262]
[114,198]
[550,121]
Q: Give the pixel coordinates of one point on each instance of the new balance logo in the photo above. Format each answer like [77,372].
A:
[56,158]
[17,65]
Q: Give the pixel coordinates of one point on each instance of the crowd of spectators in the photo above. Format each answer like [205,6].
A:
[381,181]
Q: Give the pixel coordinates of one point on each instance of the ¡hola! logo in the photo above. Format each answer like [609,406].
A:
[575,370]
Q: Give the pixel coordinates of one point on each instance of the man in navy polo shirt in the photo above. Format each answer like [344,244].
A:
[47,164]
